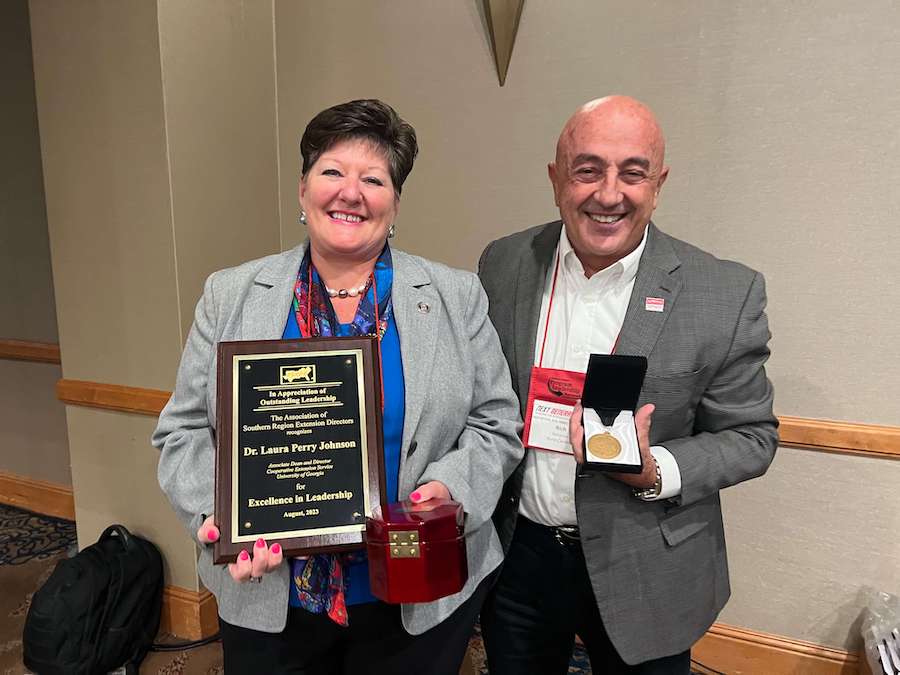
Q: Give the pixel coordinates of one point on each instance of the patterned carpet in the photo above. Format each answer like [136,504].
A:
[30,547]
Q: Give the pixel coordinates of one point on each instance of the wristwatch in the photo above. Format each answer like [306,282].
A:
[651,493]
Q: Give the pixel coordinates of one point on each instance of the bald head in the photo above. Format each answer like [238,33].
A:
[609,170]
[619,113]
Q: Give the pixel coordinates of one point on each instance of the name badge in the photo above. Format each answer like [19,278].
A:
[552,394]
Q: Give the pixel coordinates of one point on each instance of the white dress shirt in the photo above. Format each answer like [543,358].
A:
[587,317]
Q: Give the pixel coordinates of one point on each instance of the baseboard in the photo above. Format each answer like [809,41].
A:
[39,496]
[190,615]
[738,651]
[728,649]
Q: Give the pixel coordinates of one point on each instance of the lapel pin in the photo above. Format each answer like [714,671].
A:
[654,304]
[423,307]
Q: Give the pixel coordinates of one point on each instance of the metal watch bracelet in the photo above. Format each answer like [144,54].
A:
[650,493]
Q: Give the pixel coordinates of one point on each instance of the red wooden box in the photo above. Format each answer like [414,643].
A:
[417,552]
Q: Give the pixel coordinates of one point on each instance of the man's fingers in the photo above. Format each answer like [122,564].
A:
[240,569]
[432,490]
[260,563]
[576,432]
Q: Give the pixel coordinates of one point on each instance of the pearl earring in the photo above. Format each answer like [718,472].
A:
[302,218]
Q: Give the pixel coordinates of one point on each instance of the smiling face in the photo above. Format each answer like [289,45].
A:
[349,201]
[607,177]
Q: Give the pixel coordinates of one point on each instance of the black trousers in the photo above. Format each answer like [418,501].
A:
[542,599]
[374,642]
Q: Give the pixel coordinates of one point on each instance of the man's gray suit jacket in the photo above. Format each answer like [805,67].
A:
[658,569]
[460,426]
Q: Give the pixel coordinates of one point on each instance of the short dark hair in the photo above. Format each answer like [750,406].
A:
[365,119]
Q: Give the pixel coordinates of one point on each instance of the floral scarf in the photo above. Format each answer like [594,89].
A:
[320,581]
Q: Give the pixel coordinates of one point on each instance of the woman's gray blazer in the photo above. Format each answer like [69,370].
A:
[461,421]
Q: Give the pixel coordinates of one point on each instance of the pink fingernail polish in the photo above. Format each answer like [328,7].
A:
[260,543]
[244,555]
[276,548]
[212,535]
[415,496]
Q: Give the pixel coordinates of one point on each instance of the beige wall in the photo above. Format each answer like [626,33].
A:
[805,541]
[99,93]
[158,132]
[32,421]
[219,87]
[781,120]
[782,141]
[783,152]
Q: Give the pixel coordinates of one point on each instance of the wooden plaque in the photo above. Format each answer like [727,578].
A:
[299,456]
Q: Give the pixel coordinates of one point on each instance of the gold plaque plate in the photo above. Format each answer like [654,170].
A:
[604,446]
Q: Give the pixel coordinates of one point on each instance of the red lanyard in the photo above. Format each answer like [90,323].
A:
[549,310]
[309,323]
[549,313]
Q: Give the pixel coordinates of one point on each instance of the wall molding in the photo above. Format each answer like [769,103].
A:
[39,496]
[798,432]
[191,615]
[847,437]
[112,396]
[27,350]
[739,651]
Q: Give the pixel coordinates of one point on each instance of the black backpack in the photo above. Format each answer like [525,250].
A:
[98,611]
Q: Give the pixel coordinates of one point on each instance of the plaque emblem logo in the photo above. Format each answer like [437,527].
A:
[298,374]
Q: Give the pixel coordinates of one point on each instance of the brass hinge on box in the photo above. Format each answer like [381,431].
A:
[405,544]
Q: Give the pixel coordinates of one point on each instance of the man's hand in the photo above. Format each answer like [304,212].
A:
[264,559]
[647,477]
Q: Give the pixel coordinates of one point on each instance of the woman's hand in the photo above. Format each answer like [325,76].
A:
[264,559]
[433,490]
[208,532]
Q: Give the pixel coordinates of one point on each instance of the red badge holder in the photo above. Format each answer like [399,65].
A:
[549,391]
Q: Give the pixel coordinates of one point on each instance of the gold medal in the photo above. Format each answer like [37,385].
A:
[604,446]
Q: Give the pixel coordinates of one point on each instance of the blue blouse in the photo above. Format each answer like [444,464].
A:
[357,579]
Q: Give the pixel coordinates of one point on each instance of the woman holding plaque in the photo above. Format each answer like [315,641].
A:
[451,420]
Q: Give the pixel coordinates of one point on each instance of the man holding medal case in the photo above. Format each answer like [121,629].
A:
[631,558]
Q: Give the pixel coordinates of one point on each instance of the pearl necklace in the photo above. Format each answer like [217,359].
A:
[347,292]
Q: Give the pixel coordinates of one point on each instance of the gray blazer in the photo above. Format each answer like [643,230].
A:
[658,569]
[461,420]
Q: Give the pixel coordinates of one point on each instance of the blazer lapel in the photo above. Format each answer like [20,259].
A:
[656,278]
[416,308]
[533,268]
[269,298]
